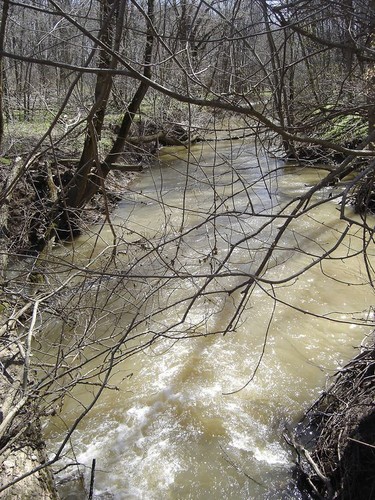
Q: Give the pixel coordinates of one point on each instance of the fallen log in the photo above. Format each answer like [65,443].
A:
[162,138]
[126,168]
[123,167]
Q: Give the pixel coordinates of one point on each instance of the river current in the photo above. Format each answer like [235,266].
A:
[200,413]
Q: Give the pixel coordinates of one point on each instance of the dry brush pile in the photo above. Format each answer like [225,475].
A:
[341,464]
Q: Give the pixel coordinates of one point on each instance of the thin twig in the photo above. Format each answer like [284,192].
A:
[28,347]
[361,442]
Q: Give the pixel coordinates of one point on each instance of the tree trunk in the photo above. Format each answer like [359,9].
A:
[370,75]
[4,17]
[112,18]
[4,218]
[92,173]
[133,108]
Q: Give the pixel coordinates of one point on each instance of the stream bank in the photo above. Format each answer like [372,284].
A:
[23,449]
[341,460]
[22,446]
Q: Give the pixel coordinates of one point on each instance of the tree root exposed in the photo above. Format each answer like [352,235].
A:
[341,464]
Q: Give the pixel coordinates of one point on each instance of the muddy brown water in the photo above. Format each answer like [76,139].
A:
[188,424]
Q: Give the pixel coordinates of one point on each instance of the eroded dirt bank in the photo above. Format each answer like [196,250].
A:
[22,446]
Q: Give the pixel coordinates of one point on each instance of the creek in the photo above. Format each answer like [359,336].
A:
[200,413]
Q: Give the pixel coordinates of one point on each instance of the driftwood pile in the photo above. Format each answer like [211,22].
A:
[341,461]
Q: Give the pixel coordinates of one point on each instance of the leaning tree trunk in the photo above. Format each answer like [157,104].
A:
[112,14]
[133,108]
[91,172]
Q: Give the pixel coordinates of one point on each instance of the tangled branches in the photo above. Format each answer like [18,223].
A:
[365,195]
[344,422]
